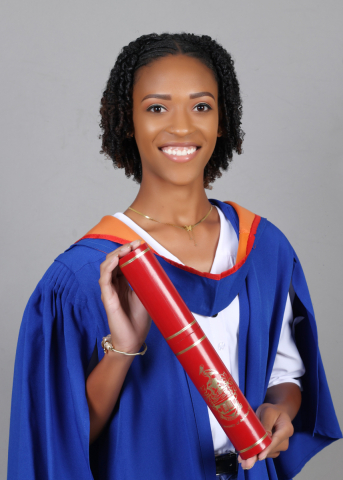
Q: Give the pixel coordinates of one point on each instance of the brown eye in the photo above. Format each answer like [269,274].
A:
[203,107]
[153,107]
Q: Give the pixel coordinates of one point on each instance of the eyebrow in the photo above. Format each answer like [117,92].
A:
[168,97]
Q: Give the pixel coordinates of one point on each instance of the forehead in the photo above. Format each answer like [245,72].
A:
[175,73]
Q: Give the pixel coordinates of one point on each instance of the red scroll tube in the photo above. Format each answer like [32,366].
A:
[194,351]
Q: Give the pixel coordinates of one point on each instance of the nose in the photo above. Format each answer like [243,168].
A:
[180,123]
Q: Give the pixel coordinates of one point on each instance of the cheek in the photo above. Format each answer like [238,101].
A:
[146,130]
[208,126]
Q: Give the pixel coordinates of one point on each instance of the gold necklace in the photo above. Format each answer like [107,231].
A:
[188,228]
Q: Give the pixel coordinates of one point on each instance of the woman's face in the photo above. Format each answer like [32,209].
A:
[175,117]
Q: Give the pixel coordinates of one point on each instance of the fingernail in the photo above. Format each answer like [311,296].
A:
[262,458]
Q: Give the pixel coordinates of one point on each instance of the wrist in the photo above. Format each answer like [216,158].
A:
[126,350]
[286,396]
[116,358]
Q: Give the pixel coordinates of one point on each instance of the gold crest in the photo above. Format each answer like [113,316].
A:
[221,394]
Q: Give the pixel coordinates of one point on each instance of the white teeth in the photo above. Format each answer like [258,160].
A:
[179,151]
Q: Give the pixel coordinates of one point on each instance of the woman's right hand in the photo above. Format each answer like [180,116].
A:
[128,320]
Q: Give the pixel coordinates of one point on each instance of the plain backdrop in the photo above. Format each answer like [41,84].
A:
[56,57]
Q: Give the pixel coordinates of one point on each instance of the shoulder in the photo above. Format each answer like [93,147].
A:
[247,221]
[270,242]
[70,284]
[84,253]
[265,233]
[75,271]
[65,305]
[273,234]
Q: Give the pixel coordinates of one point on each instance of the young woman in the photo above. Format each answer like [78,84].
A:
[171,116]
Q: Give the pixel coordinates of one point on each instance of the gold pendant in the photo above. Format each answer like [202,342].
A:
[189,229]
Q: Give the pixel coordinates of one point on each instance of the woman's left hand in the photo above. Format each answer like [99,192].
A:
[276,422]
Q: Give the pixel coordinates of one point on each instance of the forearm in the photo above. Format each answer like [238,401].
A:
[103,387]
[287,396]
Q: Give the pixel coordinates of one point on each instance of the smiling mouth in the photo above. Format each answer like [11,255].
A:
[179,151]
[180,154]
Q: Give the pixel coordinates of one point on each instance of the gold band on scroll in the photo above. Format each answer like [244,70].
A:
[191,346]
[180,331]
[134,258]
[254,445]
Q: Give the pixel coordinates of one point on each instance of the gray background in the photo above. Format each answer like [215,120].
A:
[55,186]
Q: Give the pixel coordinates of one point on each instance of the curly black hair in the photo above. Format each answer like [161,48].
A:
[116,103]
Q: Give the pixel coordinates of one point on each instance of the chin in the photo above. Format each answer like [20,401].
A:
[183,180]
[179,177]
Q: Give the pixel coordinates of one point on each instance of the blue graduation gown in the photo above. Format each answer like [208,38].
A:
[160,427]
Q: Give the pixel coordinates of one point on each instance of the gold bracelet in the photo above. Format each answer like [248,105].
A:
[107,345]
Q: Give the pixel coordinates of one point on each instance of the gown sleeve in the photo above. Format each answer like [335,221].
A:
[49,425]
[316,425]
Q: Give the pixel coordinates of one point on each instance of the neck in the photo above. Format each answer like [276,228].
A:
[168,203]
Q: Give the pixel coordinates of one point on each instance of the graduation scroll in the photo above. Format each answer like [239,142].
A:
[194,351]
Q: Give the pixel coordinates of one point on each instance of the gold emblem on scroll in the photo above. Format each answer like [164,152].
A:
[221,394]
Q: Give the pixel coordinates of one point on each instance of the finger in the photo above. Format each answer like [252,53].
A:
[274,455]
[283,446]
[136,243]
[107,278]
[111,261]
[268,417]
[248,463]
[118,252]
[279,443]
[110,257]
[123,249]
[108,270]
[274,446]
